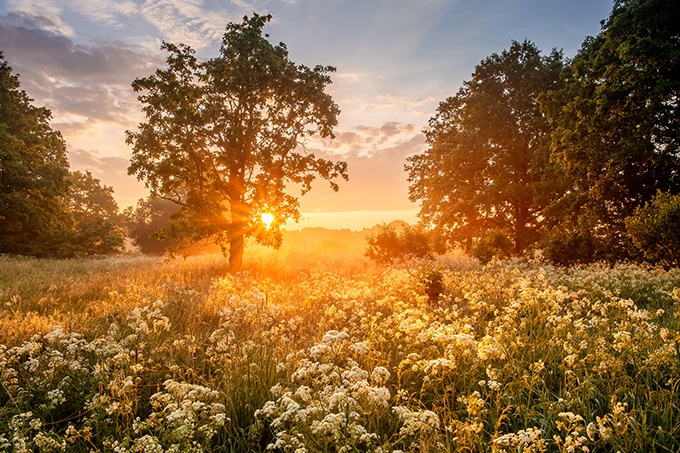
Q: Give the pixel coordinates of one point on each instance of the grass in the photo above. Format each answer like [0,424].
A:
[329,352]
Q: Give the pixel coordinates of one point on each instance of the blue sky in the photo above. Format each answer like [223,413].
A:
[395,59]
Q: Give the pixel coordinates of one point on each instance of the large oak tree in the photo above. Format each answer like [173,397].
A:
[223,138]
[487,162]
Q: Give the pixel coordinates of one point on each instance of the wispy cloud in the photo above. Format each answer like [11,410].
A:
[73,79]
[44,14]
[198,23]
[186,21]
[375,156]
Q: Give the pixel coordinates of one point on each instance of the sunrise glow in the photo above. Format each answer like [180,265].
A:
[387,239]
[267,218]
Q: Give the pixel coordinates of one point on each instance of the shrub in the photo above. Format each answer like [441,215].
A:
[565,248]
[387,244]
[655,228]
[494,243]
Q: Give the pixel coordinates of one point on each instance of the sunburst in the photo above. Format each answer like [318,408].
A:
[267,218]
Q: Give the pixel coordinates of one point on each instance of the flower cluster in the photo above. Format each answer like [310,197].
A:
[330,400]
[517,356]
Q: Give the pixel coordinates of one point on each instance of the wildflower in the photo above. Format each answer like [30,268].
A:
[527,440]
[537,367]
[474,404]
[493,385]
[438,366]
[488,349]
[359,348]
[333,336]
[380,375]
[417,422]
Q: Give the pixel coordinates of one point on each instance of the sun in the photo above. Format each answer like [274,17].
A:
[267,218]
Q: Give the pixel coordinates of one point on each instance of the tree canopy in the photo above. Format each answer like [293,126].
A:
[33,174]
[224,138]
[560,154]
[616,127]
[487,160]
[96,229]
[45,210]
[655,229]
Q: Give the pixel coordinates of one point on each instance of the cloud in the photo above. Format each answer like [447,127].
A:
[375,156]
[185,21]
[198,23]
[44,14]
[104,12]
[42,51]
[350,76]
[364,140]
[81,84]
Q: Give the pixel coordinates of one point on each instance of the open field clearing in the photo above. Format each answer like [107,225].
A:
[324,353]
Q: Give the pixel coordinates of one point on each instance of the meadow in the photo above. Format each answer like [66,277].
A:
[306,352]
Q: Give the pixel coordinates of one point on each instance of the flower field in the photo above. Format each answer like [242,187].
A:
[331,353]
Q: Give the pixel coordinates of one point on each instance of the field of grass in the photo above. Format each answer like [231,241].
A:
[330,353]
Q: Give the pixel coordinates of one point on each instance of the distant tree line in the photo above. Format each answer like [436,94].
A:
[578,158]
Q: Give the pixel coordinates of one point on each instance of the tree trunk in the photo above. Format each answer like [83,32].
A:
[236,253]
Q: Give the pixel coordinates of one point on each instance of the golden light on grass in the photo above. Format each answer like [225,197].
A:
[298,306]
[267,218]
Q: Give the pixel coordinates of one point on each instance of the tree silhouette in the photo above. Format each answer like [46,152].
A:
[224,137]
[487,165]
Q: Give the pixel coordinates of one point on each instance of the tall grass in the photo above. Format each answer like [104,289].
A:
[312,352]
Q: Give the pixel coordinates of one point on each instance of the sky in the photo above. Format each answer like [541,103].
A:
[396,60]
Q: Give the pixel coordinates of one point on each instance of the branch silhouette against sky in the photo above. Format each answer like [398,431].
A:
[396,60]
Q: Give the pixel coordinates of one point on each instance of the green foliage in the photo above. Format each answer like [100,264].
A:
[566,247]
[555,154]
[655,229]
[33,175]
[494,243]
[221,137]
[95,213]
[616,133]
[149,225]
[44,209]
[388,244]
[487,164]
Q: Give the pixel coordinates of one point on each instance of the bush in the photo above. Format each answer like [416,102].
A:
[655,229]
[565,248]
[494,243]
[387,244]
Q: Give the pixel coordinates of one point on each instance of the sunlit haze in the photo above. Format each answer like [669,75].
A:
[396,60]
[267,219]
